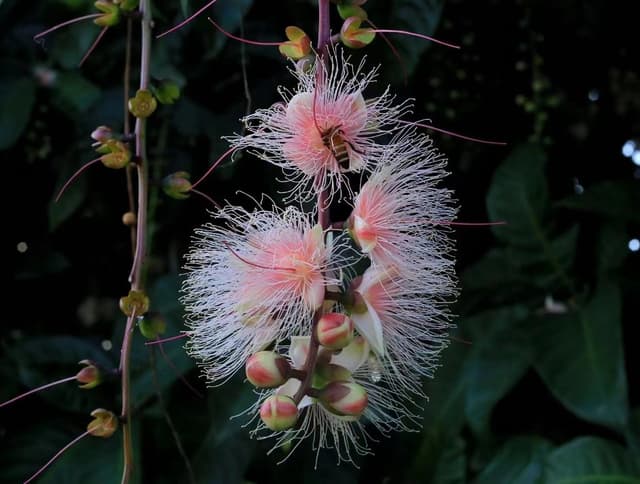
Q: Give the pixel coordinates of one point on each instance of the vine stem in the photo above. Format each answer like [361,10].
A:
[142,171]
[324,39]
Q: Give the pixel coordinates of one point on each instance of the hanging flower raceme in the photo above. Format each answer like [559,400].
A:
[326,127]
[258,280]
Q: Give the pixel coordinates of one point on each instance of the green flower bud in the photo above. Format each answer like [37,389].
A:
[298,45]
[143,104]
[344,398]
[279,412]
[167,92]
[111,13]
[104,424]
[266,369]
[177,185]
[135,302]
[152,326]
[346,11]
[90,375]
[353,36]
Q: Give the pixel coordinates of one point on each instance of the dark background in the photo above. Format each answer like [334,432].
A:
[523,395]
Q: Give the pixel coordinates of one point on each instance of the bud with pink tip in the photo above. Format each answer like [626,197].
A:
[344,398]
[334,331]
[89,376]
[266,369]
[279,412]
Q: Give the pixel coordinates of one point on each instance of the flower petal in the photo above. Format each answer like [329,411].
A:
[370,326]
[354,355]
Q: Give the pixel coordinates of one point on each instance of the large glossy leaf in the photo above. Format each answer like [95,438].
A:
[17,97]
[74,93]
[588,460]
[518,195]
[500,355]
[580,358]
[622,200]
[519,461]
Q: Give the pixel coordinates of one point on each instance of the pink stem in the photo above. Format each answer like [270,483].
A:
[177,372]
[206,197]
[64,24]
[243,40]
[43,387]
[94,45]
[171,338]
[189,19]
[74,176]
[213,167]
[414,34]
[58,454]
[454,134]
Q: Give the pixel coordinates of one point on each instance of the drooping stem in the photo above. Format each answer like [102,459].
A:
[142,170]
[56,456]
[36,390]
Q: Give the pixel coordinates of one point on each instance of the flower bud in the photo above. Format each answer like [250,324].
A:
[353,36]
[298,45]
[143,104]
[345,11]
[129,219]
[117,154]
[279,412]
[177,185]
[344,398]
[135,302]
[334,331]
[152,326]
[104,424]
[167,92]
[111,13]
[101,134]
[330,372]
[127,5]
[266,369]
[90,375]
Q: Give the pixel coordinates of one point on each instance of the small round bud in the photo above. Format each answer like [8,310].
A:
[111,13]
[135,302]
[279,412]
[90,375]
[334,331]
[177,185]
[152,326]
[353,36]
[102,134]
[117,154]
[104,424]
[129,219]
[298,45]
[344,398]
[267,369]
[143,104]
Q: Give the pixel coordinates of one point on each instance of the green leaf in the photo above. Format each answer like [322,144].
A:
[16,98]
[452,465]
[500,355]
[618,200]
[420,16]
[518,195]
[611,248]
[591,460]
[580,358]
[519,461]
[74,93]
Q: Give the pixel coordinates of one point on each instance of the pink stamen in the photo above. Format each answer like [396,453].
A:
[43,387]
[467,224]
[58,454]
[254,264]
[213,167]
[177,372]
[315,98]
[414,34]
[189,19]
[64,24]
[243,40]
[170,338]
[454,134]
[74,176]
[94,45]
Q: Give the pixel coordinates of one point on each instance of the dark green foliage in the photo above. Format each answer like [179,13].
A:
[540,382]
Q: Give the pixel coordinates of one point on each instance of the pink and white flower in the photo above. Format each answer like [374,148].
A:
[398,213]
[404,319]
[326,127]
[253,282]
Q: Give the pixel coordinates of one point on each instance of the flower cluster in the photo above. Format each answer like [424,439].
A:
[335,323]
